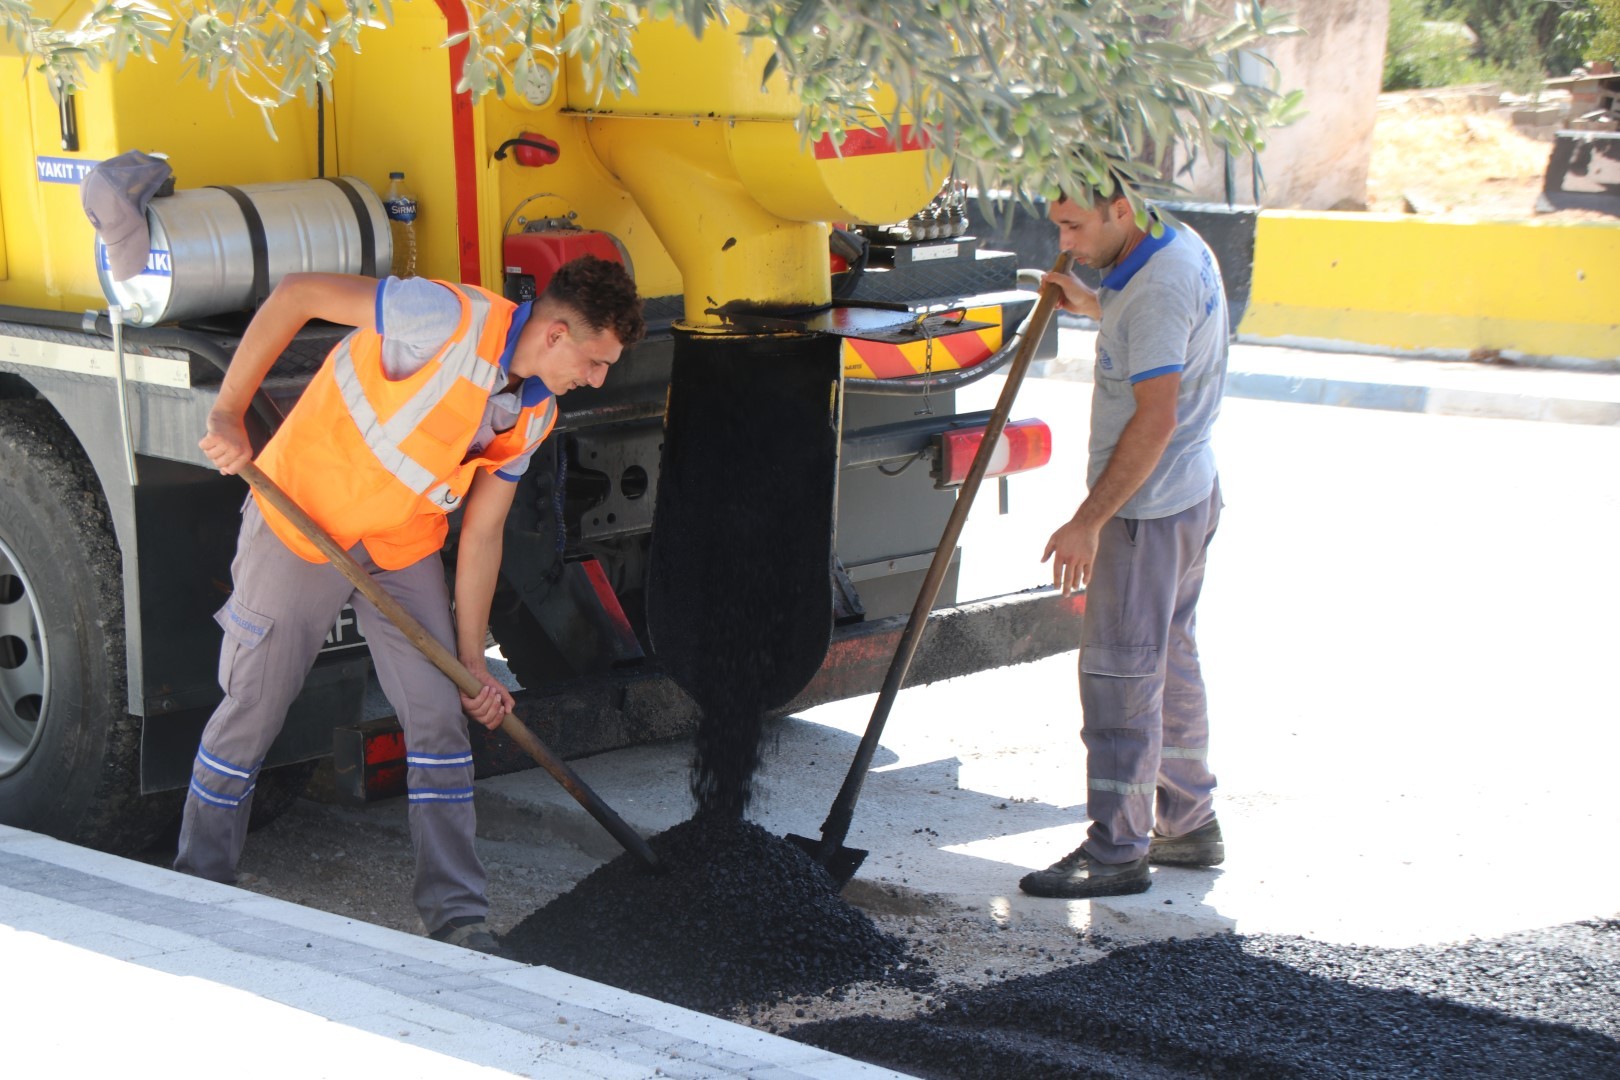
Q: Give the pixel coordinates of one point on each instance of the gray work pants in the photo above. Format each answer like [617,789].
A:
[1145,720]
[275,622]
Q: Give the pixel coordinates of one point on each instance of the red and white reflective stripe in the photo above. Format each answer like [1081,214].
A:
[864,359]
[1024,445]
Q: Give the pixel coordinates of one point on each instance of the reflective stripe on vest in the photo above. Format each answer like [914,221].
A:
[540,423]
[459,360]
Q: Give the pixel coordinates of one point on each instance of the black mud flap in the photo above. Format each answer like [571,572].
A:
[740,596]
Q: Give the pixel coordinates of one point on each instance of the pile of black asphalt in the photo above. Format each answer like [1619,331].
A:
[1534,1005]
[740,917]
[743,919]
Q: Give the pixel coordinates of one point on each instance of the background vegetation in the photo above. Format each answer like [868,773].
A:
[1515,42]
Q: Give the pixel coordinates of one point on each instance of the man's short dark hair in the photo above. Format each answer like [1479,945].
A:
[1091,197]
[603,294]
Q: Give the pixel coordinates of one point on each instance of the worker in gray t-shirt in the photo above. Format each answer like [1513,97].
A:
[1138,542]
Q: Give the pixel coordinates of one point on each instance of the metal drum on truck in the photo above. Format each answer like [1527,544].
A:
[220,249]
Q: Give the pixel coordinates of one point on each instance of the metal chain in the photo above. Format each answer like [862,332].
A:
[928,367]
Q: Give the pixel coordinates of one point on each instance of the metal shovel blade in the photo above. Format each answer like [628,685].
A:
[841,862]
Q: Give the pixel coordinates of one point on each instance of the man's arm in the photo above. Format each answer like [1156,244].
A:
[296,299]
[1137,454]
[478,564]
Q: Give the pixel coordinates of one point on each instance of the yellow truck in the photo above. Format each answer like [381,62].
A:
[813,306]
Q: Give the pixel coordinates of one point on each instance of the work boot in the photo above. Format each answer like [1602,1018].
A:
[1201,847]
[469,932]
[1077,876]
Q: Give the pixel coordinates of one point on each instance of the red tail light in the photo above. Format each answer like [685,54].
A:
[1024,445]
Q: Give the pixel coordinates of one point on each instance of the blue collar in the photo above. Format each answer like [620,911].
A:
[534,391]
[1120,276]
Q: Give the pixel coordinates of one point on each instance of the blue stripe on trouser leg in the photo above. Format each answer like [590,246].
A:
[214,825]
[450,879]
[273,625]
[1140,686]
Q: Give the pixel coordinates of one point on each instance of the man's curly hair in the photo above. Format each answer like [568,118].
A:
[602,293]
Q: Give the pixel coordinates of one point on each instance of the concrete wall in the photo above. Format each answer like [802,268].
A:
[1410,283]
[1320,162]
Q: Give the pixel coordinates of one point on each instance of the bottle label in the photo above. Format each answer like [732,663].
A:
[401,209]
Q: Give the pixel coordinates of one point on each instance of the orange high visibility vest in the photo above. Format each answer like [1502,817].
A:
[380,461]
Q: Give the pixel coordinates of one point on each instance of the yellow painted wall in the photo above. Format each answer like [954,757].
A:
[1533,287]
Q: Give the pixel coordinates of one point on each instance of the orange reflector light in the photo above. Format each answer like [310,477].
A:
[1024,445]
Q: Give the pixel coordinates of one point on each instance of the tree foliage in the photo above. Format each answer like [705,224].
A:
[1520,42]
[113,31]
[1596,34]
[1420,53]
[1031,95]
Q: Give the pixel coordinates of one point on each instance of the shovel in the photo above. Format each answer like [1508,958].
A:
[840,861]
[447,663]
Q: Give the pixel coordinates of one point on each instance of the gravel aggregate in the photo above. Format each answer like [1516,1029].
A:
[741,917]
[1534,1005]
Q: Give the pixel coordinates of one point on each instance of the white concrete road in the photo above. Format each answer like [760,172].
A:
[1407,633]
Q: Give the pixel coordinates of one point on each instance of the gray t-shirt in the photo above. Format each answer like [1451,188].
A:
[1163,311]
[416,317]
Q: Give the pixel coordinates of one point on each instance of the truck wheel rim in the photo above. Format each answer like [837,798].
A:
[24,665]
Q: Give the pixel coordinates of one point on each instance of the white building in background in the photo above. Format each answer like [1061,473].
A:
[1320,162]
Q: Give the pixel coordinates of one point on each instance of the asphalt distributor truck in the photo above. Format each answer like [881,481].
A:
[768,474]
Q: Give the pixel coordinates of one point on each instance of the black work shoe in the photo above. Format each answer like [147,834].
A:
[1077,876]
[1201,847]
[469,932]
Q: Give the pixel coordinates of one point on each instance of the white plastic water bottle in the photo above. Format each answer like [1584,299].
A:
[401,207]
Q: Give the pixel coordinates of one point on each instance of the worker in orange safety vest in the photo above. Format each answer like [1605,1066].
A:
[435,402]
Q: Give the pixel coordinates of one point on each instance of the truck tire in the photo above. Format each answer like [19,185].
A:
[69,749]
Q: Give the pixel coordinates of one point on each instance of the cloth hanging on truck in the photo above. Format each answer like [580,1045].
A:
[115,193]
